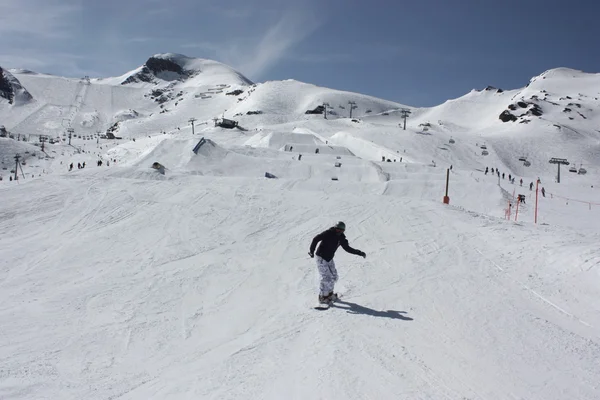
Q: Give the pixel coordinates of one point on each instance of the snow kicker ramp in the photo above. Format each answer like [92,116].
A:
[213,160]
[163,290]
[277,140]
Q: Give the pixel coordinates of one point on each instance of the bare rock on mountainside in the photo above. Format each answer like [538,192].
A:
[490,88]
[11,89]
[164,68]
[532,109]
[506,116]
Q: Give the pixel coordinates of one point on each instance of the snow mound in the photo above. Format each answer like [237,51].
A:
[126,115]
[89,120]
[278,140]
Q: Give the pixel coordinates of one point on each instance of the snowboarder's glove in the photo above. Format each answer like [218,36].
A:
[311,254]
[362,254]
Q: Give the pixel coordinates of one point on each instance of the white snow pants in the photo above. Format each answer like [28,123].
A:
[329,275]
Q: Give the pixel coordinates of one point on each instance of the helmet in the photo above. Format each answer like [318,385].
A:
[340,225]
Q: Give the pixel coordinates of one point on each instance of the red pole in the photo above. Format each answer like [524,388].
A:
[446,198]
[536,199]
[517,210]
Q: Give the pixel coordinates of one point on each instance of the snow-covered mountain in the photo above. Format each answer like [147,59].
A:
[170,262]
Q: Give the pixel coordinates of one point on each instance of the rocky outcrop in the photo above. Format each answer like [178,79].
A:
[533,109]
[12,90]
[316,110]
[492,89]
[506,116]
[156,67]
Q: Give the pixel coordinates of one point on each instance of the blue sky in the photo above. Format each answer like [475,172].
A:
[419,52]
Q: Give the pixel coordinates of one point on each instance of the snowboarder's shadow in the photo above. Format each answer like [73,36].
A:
[354,308]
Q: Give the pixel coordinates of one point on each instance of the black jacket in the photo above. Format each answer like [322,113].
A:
[330,241]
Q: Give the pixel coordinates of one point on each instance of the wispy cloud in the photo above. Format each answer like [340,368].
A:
[45,19]
[315,58]
[254,56]
[29,28]
[41,61]
[291,29]
[140,40]
[205,46]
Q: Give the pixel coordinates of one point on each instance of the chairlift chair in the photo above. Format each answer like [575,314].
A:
[485,153]
[573,169]
[452,141]
[527,163]
[523,158]
[483,147]
[582,171]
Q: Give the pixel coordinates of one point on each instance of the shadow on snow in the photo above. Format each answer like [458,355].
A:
[354,308]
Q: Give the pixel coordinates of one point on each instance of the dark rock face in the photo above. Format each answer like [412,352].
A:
[12,90]
[536,110]
[532,109]
[506,116]
[492,89]
[154,66]
[143,76]
[157,65]
[6,89]
[316,110]
[235,92]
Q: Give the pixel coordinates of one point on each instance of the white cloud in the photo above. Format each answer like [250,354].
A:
[255,57]
[45,19]
[206,46]
[140,39]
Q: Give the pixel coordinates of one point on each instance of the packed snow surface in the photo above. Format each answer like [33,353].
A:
[192,279]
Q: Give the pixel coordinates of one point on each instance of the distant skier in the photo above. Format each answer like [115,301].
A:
[486,170]
[543,192]
[330,240]
[531,186]
[521,181]
[503,175]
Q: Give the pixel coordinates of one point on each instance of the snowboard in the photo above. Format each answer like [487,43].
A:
[325,306]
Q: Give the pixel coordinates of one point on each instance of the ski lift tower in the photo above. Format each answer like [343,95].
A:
[559,162]
[404,113]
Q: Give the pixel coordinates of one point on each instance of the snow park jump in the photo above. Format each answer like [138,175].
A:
[118,281]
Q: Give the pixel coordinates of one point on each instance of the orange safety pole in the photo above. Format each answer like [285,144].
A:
[517,210]
[536,199]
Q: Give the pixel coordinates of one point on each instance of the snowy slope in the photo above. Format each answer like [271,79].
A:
[165,290]
[124,281]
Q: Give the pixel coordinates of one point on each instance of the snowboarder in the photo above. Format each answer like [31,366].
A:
[330,240]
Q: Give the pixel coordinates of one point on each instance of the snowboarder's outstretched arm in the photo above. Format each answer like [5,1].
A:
[314,243]
[346,246]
